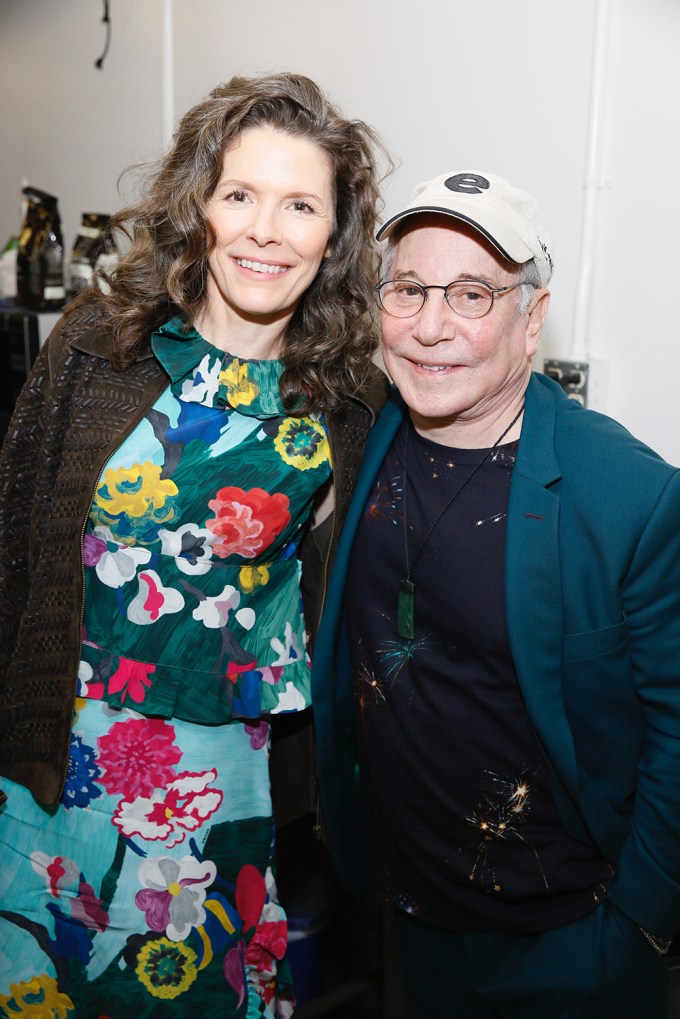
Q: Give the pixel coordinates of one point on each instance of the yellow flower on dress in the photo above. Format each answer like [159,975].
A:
[251,577]
[166,968]
[240,389]
[302,443]
[35,999]
[134,490]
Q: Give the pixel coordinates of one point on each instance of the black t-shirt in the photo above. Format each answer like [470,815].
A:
[462,829]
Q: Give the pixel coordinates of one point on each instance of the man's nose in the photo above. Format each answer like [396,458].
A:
[434,321]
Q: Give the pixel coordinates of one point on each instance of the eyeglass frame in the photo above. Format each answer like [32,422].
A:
[493,291]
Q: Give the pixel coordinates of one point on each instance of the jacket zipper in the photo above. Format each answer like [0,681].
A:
[317,827]
[331,540]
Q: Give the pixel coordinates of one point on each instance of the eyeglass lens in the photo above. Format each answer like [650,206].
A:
[404,298]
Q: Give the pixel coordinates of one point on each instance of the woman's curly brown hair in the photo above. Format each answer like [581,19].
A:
[332,335]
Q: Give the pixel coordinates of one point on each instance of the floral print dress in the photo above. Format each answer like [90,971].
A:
[150,891]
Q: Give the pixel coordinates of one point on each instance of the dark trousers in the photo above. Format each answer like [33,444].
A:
[597,967]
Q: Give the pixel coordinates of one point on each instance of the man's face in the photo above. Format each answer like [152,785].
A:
[458,376]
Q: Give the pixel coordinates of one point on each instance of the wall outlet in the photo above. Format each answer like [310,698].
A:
[571,375]
[583,381]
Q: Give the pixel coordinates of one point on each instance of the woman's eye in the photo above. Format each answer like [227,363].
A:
[237,195]
[300,205]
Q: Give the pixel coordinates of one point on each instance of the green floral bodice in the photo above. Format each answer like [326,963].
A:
[192,598]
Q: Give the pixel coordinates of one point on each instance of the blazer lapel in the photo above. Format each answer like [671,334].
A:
[533,587]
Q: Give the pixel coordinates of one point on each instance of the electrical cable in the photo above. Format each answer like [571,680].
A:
[107,21]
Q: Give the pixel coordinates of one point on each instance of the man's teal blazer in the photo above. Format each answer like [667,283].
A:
[592,588]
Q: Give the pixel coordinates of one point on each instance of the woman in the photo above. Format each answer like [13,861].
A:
[158,479]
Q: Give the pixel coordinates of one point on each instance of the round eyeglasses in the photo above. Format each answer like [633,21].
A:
[469,298]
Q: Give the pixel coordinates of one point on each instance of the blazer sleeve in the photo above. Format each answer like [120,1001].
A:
[646,884]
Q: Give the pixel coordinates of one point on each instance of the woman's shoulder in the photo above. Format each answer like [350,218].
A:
[375,389]
[84,326]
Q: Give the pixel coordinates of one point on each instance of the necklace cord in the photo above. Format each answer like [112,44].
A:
[409,567]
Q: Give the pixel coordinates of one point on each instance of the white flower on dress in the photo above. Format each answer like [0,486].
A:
[114,562]
[214,611]
[85,674]
[288,649]
[173,893]
[203,384]
[153,600]
[246,617]
[290,699]
[190,546]
[170,813]
[59,872]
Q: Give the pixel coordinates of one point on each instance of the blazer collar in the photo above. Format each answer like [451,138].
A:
[536,460]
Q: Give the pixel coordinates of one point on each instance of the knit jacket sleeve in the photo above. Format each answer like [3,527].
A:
[23,441]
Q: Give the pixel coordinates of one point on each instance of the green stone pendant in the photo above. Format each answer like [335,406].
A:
[406,610]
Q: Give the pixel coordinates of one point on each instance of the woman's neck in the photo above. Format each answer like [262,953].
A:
[250,339]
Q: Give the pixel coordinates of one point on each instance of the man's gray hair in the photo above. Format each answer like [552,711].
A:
[527,273]
[529,276]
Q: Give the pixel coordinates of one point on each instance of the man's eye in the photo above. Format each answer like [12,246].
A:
[467,294]
[406,290]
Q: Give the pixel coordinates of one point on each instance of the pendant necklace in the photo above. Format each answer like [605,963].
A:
[407,588]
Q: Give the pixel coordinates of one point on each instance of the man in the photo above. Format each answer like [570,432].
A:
[505,606]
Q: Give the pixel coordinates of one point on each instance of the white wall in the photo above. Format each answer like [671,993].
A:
[499,86]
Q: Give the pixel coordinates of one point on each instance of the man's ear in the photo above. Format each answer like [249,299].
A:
[538,309]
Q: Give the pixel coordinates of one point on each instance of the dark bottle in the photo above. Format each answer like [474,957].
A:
[93,240]
[40,255]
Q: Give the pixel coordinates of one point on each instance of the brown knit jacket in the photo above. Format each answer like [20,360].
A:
[73,413]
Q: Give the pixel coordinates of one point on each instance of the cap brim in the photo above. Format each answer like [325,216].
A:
[511,247]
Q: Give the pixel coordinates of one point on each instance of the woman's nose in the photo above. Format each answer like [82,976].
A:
[263,227]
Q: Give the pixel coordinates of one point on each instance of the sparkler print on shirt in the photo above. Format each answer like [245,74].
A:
[495,519]
[393,655]
[498,817]
[383,505]
[370,689]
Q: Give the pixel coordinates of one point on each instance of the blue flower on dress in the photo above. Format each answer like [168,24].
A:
[247,695]
[83,771]
[197,422]
[71,940]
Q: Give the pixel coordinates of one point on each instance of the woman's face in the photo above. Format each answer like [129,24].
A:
[272,213]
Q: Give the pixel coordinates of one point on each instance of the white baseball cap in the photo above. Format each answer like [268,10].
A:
[505,215]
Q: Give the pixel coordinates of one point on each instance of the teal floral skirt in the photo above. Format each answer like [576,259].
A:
[150,891]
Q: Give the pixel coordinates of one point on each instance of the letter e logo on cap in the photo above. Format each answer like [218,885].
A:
[467,183]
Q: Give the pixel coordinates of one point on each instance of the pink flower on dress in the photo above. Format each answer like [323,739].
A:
[246,523]
[137,756]
[88,908]
[259,734]
[251,893]
[234,971]
[269,942]
[168,814]
[153,600]
[131,677]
